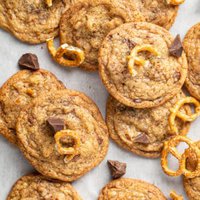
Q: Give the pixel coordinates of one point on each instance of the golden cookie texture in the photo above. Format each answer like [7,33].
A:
[37,142]
[18,91]
[86,23]
[161,78]
[192,49]
[126,124]
[34,186]
[32,21]
[130,189]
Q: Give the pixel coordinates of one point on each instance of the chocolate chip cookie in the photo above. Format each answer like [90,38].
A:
[192,185]
[157,12]
[32,21]
[86,23]
[142,131]
[192,49]
[18,91]
[130,189]
[34,186]
[80,144]
[136,67]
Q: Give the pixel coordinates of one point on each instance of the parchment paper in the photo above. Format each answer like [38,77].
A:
[13,164]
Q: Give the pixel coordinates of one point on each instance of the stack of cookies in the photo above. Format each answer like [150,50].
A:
[143,67]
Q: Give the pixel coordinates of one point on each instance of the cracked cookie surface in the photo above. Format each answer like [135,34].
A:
[86,23]
[157,12]
[126,124]
[38,187]
[192,49]
[157,81]
[32,21]
[80,115]
[17,92]
[130,189]
[192,185]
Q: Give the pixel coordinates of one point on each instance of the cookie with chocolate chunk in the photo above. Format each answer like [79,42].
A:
[157,12]
[18,91]
[192,185]
[35,186]
[142,131]
[130,189]
[70,150]
[192,49]
[32,21]
[144,49]
[86,23]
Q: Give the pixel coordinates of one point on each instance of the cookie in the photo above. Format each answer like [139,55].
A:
[157,12]
[32,21]
[192,185]
[156,82]
[142,131]
[192,49]
[130,189]
[80,116]
[18,91]
[86,23]
[38,187]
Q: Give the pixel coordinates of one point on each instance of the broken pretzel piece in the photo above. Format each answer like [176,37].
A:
[134,59]
[67,142]
[186,118]
[66,55]
[170,147]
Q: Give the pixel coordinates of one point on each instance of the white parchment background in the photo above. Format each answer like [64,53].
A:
[12,163]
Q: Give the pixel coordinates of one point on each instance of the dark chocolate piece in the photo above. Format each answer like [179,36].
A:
[117,168]
[29,61]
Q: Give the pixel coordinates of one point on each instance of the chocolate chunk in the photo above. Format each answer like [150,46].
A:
[56,124]
[100,140]
[177,76]
[142,139]
[129,43]
[176,48]
[29,61]
[117,168]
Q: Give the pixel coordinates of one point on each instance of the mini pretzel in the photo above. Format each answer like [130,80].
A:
[66,50]
[176,113]
[170,147]
[134,59]
[175,196]
[49,3]
[72,151]
[175,2]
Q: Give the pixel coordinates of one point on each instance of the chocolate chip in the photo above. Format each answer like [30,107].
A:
[29,61]
[177,76]
[176,48]
[56,124]
[142,139]
[137,100]
[129,43]
[100,140]
[117,168]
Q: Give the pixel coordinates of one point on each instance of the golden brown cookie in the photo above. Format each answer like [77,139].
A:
[18,91]
[32,21]
[192,185]
[158,80]
[32,187]
[142,131]
[192,49]
[87,138]
[86,23]
[157,12]
[124,189]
